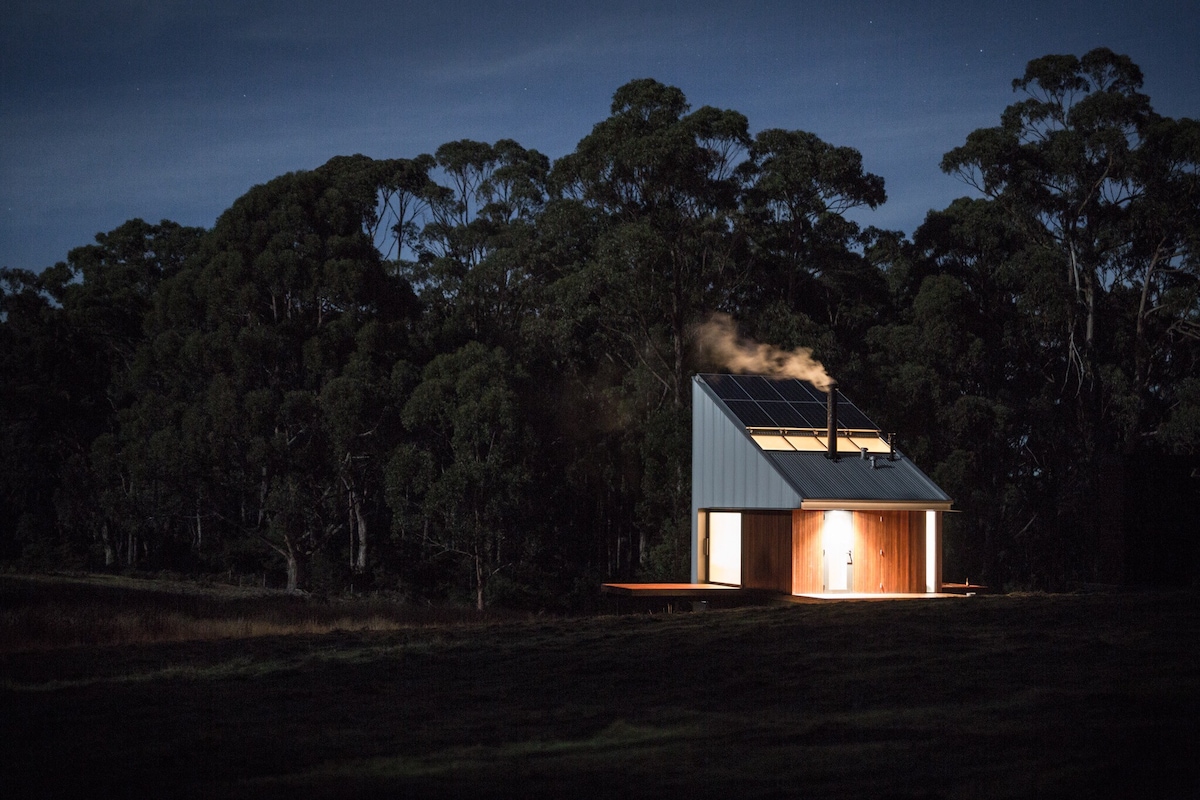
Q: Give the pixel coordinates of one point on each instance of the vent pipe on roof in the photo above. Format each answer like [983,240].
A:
[891,447]
[831,421]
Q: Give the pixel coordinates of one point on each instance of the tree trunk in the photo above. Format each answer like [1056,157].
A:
[360,526]
[479,580]
[297,568]
[293,572]
[677,331]
[110,555]
[199,528]
[1141,352]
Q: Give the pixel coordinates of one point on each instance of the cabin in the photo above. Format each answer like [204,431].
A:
[796,492]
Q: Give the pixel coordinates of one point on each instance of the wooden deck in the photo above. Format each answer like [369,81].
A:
[669,596]
[965,588]
[820,597]
[667,589]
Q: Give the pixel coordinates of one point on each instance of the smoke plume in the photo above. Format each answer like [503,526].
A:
[718,339]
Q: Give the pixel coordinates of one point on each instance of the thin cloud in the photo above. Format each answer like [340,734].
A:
[172,108]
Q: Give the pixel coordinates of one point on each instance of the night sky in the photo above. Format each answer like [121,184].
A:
[170,109]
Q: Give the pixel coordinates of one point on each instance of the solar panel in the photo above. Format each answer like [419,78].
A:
[814,414]
[750,414]
[726,387]
[798,392]
[784,414]
[758,388]
[760,402]
[850,417]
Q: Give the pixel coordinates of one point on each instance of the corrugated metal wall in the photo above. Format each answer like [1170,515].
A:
[728,471]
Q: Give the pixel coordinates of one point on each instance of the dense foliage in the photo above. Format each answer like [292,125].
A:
[465,375]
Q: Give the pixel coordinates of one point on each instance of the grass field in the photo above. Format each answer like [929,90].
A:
[1082,695]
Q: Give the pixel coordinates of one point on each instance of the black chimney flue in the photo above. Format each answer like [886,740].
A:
[831,421]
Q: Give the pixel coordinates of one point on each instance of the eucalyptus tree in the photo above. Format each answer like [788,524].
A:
[655,187]
[247,376]
[1102,196]
[38,419]
[361,405]
[962,372]
[73,330]
[663,180]
[1162,282]
[808,281]
[392,197]
[472,271]
[459,485]
[1107,189]
[109,293]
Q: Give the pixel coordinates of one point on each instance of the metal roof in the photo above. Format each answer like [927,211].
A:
[821,482]
[851,478]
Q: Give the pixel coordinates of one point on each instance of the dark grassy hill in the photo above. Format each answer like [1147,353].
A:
[1089,695]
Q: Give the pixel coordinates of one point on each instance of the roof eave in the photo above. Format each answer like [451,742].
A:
[814,504]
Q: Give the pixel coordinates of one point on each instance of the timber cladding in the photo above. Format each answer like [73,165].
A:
[889,551]
[782,551]
[807,564]
[767,550]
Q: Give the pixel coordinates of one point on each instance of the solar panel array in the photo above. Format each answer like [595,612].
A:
[760,402]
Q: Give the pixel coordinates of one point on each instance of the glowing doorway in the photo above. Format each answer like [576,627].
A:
[725,547]
[838,541]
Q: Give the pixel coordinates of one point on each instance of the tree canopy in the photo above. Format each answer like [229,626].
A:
[463,375]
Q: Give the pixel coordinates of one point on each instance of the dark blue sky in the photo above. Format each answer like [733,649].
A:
[172,109]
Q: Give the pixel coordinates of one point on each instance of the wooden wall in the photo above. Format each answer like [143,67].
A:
[767,550]
[807,566]
[782,551]
[889,551]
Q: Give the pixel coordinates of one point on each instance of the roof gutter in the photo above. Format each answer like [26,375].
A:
[810,504]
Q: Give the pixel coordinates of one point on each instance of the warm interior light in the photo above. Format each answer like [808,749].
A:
[839,542]
[725,547]
[931,551]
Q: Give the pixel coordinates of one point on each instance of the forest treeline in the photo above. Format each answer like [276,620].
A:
[465,376]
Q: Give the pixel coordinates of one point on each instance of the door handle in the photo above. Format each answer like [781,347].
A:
[849,556]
